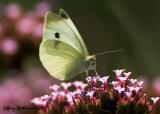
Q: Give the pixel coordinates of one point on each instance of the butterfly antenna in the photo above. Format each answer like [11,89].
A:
[115,51]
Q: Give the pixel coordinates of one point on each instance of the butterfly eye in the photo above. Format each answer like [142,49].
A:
[57,35]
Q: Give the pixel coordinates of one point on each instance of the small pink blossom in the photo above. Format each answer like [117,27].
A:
[119,72]
[155,99]
[90,93]
[69,97]
[92,79]
[122,78]
[103,79]
[25,26]
[13,11]
[128,94]
[133,81]
[39,102]
[77,92]
[54,95]
[156,85]
[2,30]
[140,83]
[114,83]
[65,85]
[79,84]
[134,88]
[42,8]
[9,46]
[37,31]
[127,74]
[45,97]
[119,89]
[88,79]
[62,93]
[54,87]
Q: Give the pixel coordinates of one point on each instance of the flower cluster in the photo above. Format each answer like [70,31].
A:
[20,31]
[19,87]
[97,96]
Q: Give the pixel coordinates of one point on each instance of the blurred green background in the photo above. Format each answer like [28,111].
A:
[105,25]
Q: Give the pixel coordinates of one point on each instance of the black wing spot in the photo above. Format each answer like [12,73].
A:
[63,14]
[57,35]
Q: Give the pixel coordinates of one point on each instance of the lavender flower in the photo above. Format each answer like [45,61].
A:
[96,97]
[156,85]
[9,46]
[9,9]
[155,99]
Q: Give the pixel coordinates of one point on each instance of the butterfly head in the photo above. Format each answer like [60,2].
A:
[90,62]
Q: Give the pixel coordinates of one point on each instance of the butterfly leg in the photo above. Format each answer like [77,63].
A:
[96,72]
[87,73]
[82,76]
[95,69]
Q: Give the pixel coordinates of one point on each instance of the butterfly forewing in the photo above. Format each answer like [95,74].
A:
[70,24]
[54,25]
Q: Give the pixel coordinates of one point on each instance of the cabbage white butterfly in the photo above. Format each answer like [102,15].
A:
[62,51]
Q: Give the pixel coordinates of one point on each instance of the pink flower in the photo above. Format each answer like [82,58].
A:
[13,11]
[55,87]
[65,85]
[127,74]
[122,78]
[155,99]
[133,81]
[140,83]
[45,97]
[62,93]
[9,46]
[92,79]
[134,88]
[119,89]
[37,31]
[103,79]
[156,85]
[69,97]
[54,95]
[2,27]
[114,83]
[13,90]
[79,84]
[77,92]
[119,72]
[39,102]
[90,93]
[128,94]
[25,25]
[42,8]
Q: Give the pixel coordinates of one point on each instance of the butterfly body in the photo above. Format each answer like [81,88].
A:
[90,62]
[62,51]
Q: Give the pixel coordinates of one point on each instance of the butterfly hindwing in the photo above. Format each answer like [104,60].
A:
[60,59]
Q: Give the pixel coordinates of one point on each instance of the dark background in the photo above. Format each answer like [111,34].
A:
[105,25]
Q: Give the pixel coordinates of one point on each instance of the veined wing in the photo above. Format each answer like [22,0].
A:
[57,28]
[61,60]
